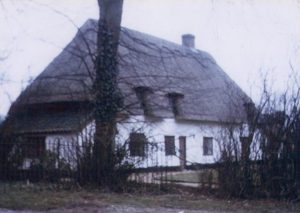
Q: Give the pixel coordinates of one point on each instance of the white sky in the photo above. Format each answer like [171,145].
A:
[246,37]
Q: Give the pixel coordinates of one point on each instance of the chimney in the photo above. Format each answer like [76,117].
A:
[188,40]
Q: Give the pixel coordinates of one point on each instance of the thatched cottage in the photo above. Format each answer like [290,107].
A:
[176,100]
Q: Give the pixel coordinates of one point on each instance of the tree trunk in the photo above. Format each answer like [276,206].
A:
[107,97]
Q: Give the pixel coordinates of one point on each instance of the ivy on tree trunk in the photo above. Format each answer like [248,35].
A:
[107,98]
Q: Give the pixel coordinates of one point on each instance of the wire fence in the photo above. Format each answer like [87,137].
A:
[71,163]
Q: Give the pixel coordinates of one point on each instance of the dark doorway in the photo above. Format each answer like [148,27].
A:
[182,151]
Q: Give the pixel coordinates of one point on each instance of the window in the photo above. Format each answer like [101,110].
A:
[245,144]
[170,145]
[34,147]
[207,146]
[175,100]
[142,94]
[137,144]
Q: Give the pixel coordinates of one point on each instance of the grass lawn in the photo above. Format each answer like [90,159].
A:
[204,176]
[35,197]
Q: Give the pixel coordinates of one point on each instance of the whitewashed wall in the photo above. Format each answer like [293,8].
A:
[155,131]
[64,146]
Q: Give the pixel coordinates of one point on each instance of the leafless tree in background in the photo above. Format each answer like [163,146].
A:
[265,161]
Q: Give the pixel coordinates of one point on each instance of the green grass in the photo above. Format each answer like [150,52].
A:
[207,176]
[46,197]
[22,196]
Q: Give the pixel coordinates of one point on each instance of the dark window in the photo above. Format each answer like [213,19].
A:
[142,94]
[245,140]
[207,146]
[245,144]
[34,147]
[137,144]
[170,145]
[175,100]
[182,152]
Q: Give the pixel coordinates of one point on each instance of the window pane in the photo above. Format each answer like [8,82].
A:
[207,146]
[245,145]
[170,145]
[34,147]
[137,144]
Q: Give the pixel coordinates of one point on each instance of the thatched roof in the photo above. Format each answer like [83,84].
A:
[59,122]
[147,61]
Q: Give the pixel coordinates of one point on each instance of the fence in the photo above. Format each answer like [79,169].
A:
[31,161]
[62,162]
[66,163]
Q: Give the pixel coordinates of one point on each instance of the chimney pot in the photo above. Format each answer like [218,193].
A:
[188,40]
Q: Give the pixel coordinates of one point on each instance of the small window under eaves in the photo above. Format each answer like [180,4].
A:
[174,100]
[142,94]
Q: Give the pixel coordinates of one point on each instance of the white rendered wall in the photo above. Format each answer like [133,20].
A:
[155,131]
[64,146]
[70,146]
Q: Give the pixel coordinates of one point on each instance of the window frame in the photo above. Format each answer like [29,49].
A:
[170,148]
[208,146]
[34,147]
[245,146]
[137,146]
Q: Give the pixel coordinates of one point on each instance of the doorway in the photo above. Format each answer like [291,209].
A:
[182,152]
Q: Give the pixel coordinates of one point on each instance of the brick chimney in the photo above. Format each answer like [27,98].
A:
[188,40]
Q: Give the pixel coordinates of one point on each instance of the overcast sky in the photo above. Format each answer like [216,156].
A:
[246,37]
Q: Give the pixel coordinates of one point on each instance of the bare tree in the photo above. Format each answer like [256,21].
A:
[263,159]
